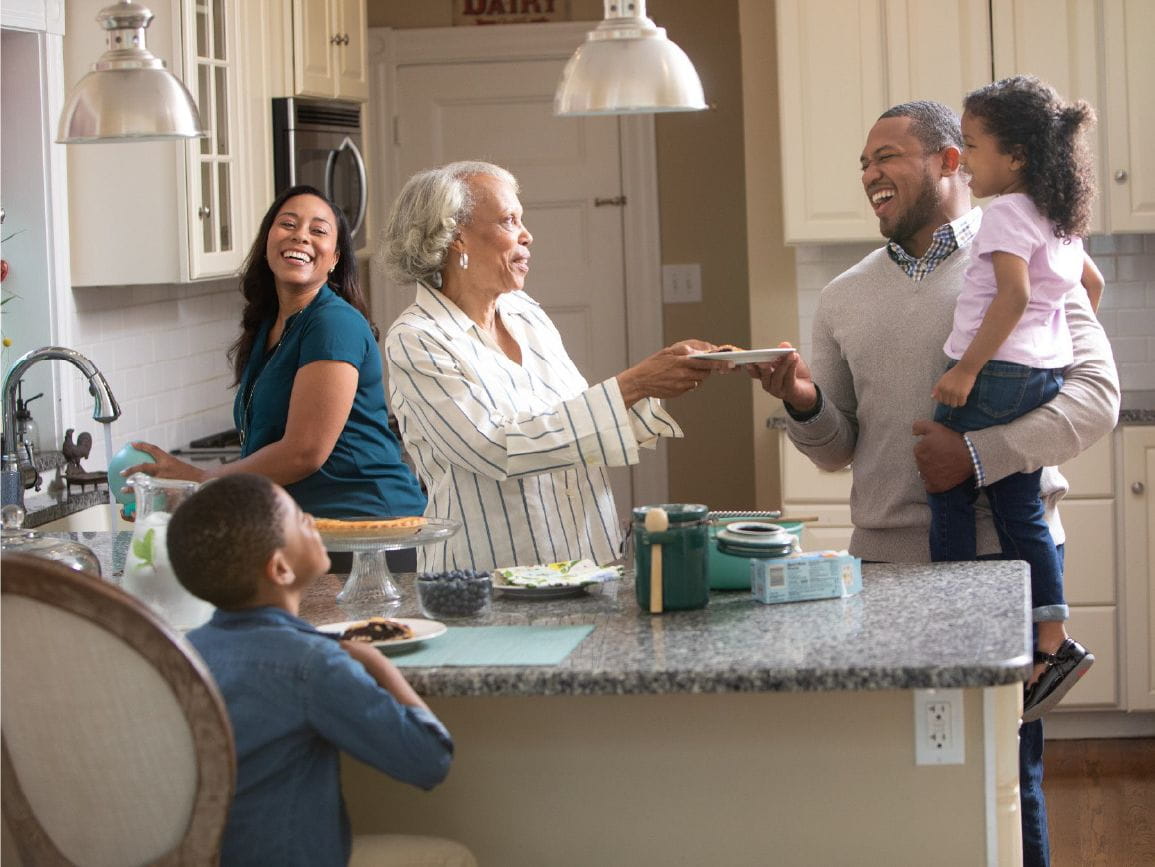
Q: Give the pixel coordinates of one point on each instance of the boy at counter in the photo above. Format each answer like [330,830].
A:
[295,696]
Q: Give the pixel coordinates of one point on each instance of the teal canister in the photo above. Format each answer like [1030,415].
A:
[685,556]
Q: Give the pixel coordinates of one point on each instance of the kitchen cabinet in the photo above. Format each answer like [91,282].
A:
[807,490]
[330,54]
[1138,557]
[841,63]
[163,212]
[1089,573]
[1129,107]
[1097,51]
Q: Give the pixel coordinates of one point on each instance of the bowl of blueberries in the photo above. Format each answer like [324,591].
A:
[458,593]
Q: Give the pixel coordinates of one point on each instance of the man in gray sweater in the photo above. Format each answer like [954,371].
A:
[864,399]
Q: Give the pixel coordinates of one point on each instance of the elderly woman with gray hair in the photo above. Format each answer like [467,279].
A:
[505,432]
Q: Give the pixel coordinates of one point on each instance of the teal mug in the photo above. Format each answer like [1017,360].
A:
[685,556]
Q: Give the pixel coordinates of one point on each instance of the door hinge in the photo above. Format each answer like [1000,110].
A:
[616,201]
[396,131]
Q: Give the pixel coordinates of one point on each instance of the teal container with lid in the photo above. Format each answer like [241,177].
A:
[730,552]
[685,556]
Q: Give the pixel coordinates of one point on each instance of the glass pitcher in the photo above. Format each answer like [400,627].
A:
[148,574]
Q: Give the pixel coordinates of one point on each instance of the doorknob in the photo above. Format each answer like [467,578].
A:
[1137,488]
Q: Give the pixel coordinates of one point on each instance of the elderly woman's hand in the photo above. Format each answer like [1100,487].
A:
[669,373]
[165,466]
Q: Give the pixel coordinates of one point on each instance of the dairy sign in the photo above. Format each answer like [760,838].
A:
[509,11]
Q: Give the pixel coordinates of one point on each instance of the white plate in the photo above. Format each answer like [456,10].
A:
[748,356]
[423,630]
[552,591]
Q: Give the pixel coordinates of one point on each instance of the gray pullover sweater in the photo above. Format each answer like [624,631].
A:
[877,352]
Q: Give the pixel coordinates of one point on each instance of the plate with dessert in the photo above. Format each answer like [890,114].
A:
[386,632]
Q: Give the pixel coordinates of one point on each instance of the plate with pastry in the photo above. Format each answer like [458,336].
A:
[386,632]
[747,356]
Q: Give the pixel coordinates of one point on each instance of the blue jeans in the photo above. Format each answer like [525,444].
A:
[1002,392]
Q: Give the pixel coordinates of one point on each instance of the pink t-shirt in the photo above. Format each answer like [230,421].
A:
[1012,224]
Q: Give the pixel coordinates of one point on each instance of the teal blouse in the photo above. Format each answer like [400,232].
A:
[364,476]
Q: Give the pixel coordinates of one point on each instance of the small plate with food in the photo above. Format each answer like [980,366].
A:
[747,356]
[386,632]
[552,580]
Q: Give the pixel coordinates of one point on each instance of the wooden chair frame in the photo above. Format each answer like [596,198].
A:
[130,620]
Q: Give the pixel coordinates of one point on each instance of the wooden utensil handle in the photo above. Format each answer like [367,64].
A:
[656,579]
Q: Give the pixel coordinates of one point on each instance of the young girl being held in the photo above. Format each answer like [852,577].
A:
[1010,341]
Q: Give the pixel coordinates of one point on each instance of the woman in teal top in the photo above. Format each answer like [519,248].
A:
[310,402]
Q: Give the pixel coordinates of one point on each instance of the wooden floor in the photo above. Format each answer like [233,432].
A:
[1101,801]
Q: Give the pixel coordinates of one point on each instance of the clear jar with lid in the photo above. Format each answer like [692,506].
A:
[685,548]
[16,540]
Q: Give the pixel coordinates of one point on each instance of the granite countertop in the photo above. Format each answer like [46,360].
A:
[915,626]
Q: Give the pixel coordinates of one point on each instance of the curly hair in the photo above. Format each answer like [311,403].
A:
[259,288]
[1029,119]
[221,538]
[425,217]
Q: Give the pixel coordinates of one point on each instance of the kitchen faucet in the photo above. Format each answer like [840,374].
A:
[105,410]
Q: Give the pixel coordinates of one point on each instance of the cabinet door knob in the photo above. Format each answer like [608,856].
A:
[204,212]
[1121,176]
[1137,487]
[335,39]
[346,39]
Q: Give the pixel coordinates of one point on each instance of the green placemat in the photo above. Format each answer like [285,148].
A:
[495,645]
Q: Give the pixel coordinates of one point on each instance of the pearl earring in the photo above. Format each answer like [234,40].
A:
[463,261]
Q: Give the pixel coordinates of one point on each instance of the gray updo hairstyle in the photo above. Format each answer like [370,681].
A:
[425,218]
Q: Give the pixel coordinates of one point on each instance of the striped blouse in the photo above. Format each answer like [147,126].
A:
[517,453]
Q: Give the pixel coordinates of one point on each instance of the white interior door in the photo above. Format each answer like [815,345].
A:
[570,171]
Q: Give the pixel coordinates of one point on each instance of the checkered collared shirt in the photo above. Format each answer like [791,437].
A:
[946,239]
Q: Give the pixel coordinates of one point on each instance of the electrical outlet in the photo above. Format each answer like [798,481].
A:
[681,284]
[939,737]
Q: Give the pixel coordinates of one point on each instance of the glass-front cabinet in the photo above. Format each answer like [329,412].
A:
[213,169]
[168,211]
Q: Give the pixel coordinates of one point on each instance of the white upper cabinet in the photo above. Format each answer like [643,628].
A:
[330,55]
[842,63]
[162,212]
[1066,43]
[1129,107]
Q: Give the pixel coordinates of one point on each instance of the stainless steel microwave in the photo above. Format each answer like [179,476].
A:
[318,142]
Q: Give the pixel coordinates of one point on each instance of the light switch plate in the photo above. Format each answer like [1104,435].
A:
[682,284]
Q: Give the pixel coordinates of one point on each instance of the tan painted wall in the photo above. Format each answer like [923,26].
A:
[702,178]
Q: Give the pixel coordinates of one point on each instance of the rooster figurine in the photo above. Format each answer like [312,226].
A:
[74,453]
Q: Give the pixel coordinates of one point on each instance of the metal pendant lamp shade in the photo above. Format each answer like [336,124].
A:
[628,66]
[129,95]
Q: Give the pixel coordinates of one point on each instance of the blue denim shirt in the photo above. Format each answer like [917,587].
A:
[296,699]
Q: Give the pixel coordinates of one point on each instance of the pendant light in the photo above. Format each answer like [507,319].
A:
[129,95]
[628,66]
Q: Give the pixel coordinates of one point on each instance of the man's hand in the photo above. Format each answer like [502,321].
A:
[943,458]
[788,379]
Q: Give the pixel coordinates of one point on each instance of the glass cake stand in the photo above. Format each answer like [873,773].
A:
[369,590]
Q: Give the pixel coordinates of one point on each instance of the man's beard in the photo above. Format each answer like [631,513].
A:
[916,217]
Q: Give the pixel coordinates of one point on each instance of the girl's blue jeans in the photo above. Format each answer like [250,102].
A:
[1002,392]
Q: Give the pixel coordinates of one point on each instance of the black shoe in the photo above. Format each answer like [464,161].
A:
[1064,668]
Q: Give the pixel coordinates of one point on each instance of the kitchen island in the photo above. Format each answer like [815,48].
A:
[739,734]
